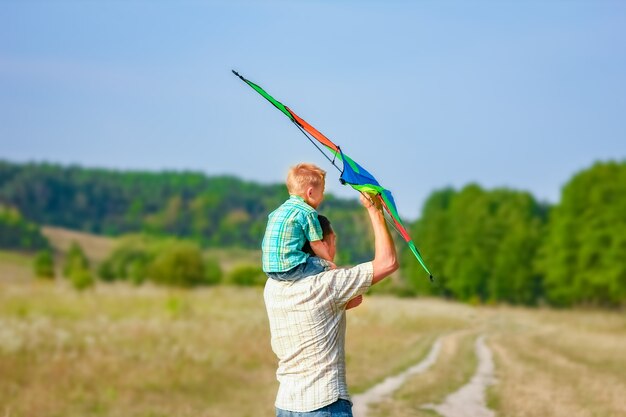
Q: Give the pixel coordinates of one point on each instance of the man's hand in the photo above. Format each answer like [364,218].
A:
[370,201]
[355,302]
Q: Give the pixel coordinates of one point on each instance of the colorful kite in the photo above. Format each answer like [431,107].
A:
[352,173]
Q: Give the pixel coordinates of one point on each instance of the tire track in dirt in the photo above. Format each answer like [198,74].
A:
[470,399]
[375,394]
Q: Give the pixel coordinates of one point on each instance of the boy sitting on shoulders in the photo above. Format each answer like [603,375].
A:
[294,223]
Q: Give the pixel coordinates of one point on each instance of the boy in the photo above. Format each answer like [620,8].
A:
[294,223]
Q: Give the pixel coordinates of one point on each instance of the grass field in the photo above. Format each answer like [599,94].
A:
[127,351]
[120,350]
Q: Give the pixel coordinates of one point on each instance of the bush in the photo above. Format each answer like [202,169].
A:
[44,264]
[129,260]
[248,275]
[81,279]
[212,272]
[178,264]
[75,260]
[164,261]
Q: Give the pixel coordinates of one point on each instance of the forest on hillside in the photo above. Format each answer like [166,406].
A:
[498,245]
[504,245]
[213,211]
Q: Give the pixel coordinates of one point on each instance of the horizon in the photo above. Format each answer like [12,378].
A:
[279,183]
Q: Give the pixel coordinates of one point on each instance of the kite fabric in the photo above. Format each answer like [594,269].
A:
[352,173]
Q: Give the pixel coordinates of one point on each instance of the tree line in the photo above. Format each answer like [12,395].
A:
[16,232]
[212,211]
[498,245]
[504,245]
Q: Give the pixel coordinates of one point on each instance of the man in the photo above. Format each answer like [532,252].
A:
[308,326]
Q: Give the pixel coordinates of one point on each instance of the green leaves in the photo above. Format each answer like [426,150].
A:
[584,254]
[18,233]
[481,244]
[502,245]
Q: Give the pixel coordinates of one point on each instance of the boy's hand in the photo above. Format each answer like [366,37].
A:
[355,302]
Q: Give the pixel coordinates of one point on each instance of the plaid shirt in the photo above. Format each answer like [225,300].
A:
[308,328]
[288,227]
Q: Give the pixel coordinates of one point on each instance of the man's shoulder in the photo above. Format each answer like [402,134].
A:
[347,283]
[364,268]
[358,275]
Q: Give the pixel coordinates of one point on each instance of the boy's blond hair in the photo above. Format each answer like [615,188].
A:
[304,175]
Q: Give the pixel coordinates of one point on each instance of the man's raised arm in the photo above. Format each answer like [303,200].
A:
[385,258]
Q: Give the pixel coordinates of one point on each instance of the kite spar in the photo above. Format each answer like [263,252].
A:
[352,173]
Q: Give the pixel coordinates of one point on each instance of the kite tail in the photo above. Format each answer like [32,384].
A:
[419,258]
[405,235]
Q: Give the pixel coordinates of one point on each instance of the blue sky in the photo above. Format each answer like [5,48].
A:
[424,94]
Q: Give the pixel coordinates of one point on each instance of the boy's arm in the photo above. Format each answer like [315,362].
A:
[320,250]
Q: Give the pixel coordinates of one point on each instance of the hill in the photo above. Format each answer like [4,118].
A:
[221,211]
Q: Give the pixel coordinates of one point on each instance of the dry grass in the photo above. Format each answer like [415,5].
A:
[15,267]
[387,335]
[121,350]
[96,247]
[566,363]
[453,369]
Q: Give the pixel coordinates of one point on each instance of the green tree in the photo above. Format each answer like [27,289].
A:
[75,260]
[214,211]
[479,244]
[585,247]
[212,272]
[44,264]
[129,259]
[18,233]
[178,264]
[432,235]
[247,275]
[81,279]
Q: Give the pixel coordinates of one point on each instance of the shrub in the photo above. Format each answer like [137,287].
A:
[212,272]
[129,260]
[248,275]
[178,264]
[75,260]
[81,279]
[44,264]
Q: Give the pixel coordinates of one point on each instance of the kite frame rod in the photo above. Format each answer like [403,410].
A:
[385,214]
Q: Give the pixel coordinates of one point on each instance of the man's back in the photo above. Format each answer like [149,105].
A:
[307,323]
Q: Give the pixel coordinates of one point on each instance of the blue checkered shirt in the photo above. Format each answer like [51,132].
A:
[288,228]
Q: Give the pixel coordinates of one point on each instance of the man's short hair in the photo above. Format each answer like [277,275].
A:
[327,229]
[304,175]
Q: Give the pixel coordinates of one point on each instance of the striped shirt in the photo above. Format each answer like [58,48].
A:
[288,227]
[308,327]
